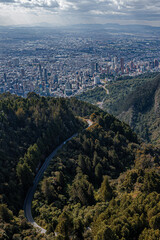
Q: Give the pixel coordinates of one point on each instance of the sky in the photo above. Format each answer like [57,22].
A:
[69,12]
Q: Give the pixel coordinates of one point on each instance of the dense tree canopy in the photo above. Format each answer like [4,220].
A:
[104,184]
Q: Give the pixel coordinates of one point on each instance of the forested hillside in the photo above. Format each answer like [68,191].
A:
[29,131]
[117,91]
[134,100]
[141,109]
[103,185]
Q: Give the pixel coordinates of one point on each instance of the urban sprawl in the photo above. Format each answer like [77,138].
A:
[65,66]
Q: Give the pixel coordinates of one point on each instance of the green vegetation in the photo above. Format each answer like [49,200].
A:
[118,90]
[26,126]
[93,96]
[139,99]
[103,184]
[142,76]
[141,109]
[29,131]
[133,100]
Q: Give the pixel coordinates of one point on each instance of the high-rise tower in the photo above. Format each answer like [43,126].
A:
[122,65]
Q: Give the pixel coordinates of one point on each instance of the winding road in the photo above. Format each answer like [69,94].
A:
[28,200]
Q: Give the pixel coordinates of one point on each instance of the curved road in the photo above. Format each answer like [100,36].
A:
[28,201]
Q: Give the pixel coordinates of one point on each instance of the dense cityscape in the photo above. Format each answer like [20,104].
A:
[65,62]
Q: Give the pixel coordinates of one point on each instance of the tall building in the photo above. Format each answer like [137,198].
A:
[96,80]
[92,68]
[55,78]
[68,88]
[22,72]
[151,64]
[122,65]
[97,67]
[115,61]
[45,75]
[131,65]
[5,77]
[156,63]
[40,71]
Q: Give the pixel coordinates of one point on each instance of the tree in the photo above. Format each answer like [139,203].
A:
[60,178]
[5,213]
[105,191]
[25,175]
[81,163]
[82,191]
[95,159]
[78,228]
[99,172]
[105,234]
[65,224]
[32,157]
[150,234]
[48,190]
[155,221]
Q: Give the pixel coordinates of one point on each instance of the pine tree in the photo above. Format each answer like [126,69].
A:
[105,190]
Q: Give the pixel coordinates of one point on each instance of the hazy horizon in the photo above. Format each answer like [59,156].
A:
[47,25]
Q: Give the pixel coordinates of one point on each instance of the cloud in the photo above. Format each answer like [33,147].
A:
[32,3]
[132,8]
[91,9]
[50,4]
[6,1]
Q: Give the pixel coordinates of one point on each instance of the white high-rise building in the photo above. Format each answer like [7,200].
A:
[115,60]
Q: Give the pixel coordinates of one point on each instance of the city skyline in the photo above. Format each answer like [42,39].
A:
[67,62]
[69,12]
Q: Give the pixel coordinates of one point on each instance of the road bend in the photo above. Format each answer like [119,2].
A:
[28,200]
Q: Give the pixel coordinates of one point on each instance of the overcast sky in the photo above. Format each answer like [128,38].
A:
[65,12]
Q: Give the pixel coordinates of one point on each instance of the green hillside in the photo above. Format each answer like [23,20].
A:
[103,184]
[117,91]
[132,101]
[141,109]
[93,96]
[30,129]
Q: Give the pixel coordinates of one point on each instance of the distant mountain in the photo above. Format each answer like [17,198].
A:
[108,28]
[118,28]
[115,25]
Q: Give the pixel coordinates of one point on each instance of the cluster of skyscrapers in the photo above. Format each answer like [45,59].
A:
[55,64]
[41,78]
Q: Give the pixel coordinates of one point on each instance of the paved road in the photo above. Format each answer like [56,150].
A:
[28,201]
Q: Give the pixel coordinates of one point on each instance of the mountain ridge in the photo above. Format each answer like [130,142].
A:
[134,101]
[142,109]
